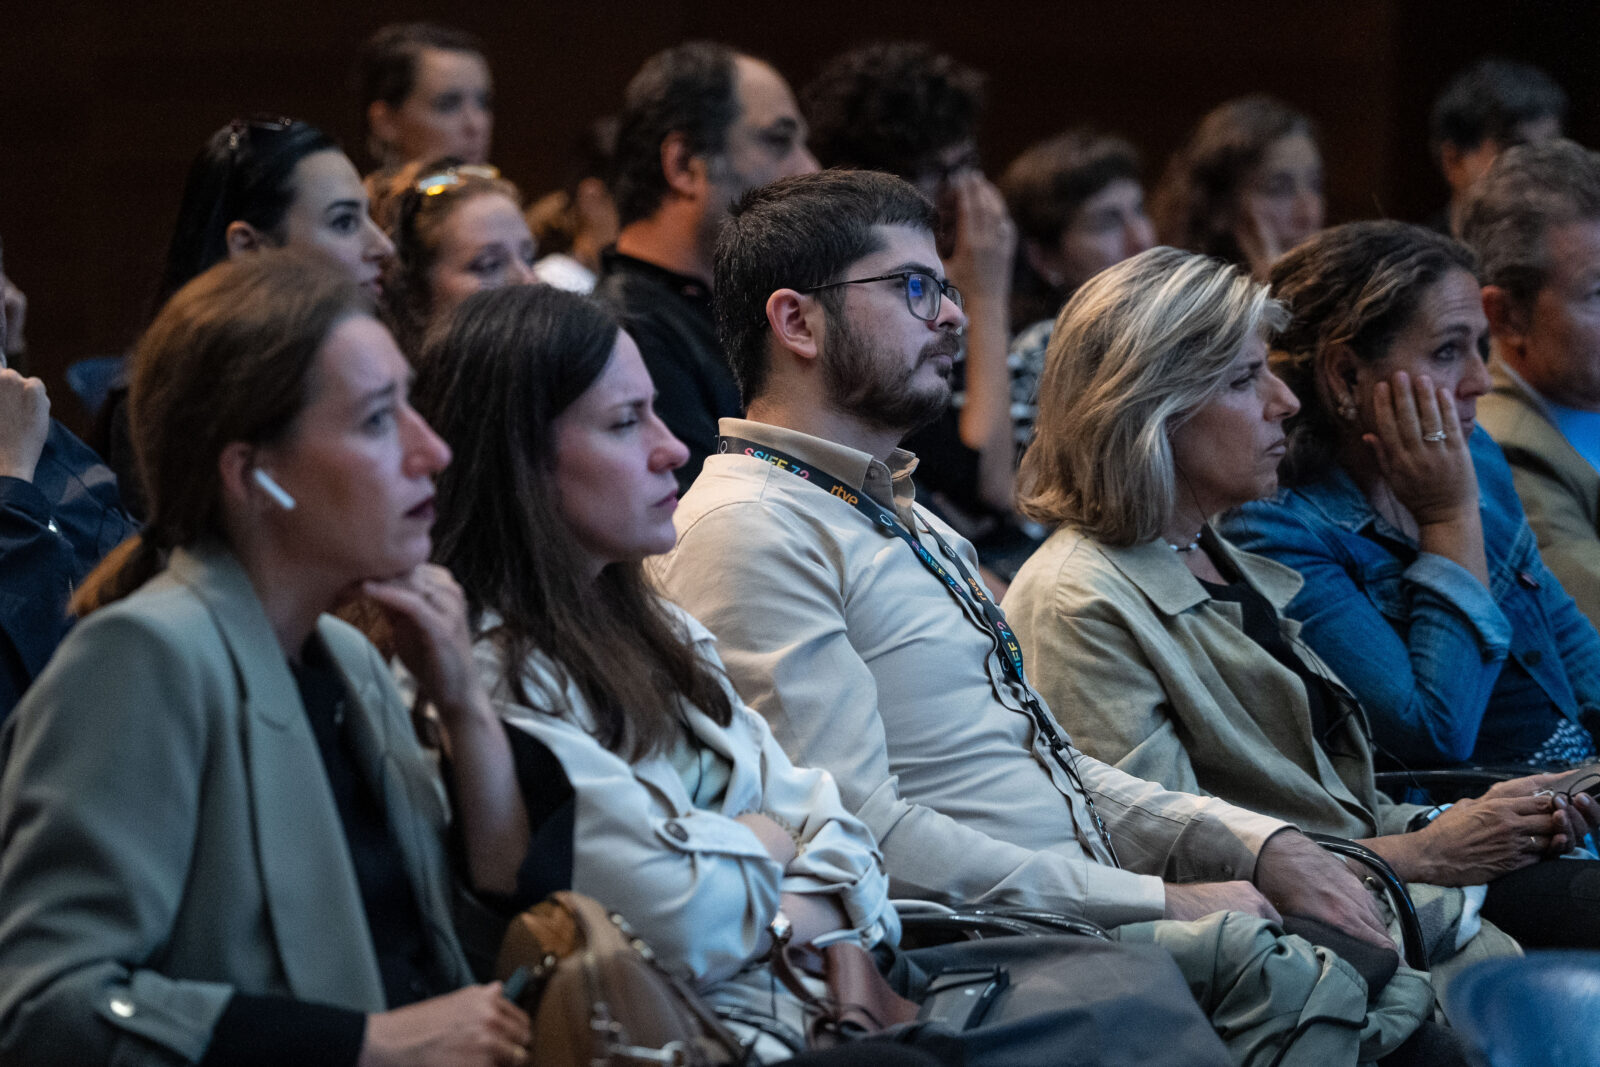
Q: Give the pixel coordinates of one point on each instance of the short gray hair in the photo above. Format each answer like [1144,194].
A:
[1527,190]
[1138,349]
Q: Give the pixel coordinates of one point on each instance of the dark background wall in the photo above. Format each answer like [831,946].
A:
[103,104]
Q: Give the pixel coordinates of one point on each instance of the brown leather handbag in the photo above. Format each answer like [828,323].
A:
[596,994]
[858,1002]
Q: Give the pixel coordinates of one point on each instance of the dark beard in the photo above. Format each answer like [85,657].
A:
[861,383]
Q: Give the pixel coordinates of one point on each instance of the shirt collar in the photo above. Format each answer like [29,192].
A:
[1162,577]
[889,484]
[686,285]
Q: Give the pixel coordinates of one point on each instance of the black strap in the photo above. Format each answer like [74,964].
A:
[966,589]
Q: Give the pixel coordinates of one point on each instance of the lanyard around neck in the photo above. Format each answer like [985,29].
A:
[964,588]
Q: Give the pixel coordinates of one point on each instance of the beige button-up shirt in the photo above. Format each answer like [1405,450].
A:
[865,663]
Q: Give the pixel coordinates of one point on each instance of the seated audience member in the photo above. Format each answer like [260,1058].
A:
[1161,646]
[700,125]
[1247,186]
[1534,221]
[1487,108]
[682,813]
[457,228]
[1078,208]
[620,691]
[425,93]
[846,616]
[574,225]
[257,183]
[1424,589]
[905,109]
[252,867]
[59,514]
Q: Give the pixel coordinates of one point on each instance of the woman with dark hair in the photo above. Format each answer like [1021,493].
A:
[1161,647]
[223,841]
[262,183]
[667,796]
[257,183]
[425,93]
[458,228]
[1247,186]
[1423,584]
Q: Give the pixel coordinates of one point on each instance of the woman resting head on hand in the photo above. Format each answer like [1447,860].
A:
[1162,647]
[1423,583]
[253,866]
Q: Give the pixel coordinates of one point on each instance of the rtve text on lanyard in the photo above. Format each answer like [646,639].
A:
[965,589]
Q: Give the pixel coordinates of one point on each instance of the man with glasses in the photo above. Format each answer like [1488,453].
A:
[700,125]
[850,618]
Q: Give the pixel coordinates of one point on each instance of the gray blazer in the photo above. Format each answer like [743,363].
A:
[168,835]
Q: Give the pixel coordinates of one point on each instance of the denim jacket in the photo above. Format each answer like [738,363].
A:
[1447,669]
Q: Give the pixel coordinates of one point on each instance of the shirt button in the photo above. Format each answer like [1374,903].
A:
[122,1008]
[1526,580]
[676,832]
[1533,658]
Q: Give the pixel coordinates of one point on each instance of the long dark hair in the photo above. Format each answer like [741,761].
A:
[229,358]
[243,174]
[491,380]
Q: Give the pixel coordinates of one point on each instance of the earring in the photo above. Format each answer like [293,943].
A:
[1347,409]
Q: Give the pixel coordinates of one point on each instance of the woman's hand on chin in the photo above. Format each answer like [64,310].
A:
[1432,477]
[427,613]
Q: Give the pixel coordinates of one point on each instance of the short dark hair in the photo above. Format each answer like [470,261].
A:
[792,234]
[386,66]
[891,107]
[1527,190]
[1492,98]
[243,174]
[689,89]
[1044,188]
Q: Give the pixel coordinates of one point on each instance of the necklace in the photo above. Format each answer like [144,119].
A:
[1192,546]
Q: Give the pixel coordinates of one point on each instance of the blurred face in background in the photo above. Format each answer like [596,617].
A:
[449,112]
[484,243]
[1107,228]
[1282,198]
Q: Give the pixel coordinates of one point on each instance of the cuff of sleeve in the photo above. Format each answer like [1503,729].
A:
[1467,597]
[1115,897]
[266,1031]
[1223,842]
[24,497]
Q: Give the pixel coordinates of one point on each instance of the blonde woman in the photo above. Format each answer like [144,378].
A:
[1161,646]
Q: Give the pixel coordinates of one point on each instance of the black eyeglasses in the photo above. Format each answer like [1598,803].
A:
[924,292]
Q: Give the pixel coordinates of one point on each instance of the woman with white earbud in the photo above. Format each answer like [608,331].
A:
[253,865]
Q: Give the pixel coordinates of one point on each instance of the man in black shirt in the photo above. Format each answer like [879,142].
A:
[701,125]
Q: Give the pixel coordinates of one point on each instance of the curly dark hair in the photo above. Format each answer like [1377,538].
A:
[1355,285]
[892,107]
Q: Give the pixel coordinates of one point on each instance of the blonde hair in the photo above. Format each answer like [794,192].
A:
[1137,350]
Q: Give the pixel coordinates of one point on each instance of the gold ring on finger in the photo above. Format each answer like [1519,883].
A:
[1436,437]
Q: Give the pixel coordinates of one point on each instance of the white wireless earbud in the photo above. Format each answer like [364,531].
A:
[278,494]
